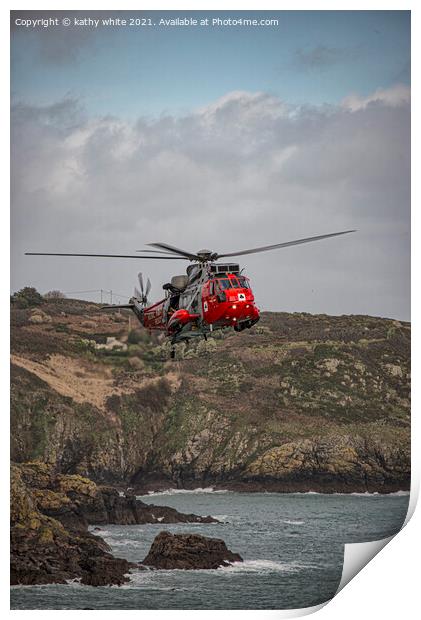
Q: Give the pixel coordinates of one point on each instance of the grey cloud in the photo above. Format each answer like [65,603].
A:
[246,170]
[321,57]
[62,45]
[58,45]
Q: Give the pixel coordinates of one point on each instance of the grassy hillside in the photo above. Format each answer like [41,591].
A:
[300,402]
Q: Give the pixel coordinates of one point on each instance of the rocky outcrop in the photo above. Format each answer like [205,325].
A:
[188,552]
[78,502]
[331,464]
[44,551]
[50,515]
[300,402]
[128,510]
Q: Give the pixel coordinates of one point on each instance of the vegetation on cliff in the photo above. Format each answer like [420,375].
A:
[300,402]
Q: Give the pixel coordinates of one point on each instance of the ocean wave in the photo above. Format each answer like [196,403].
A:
[291,522]
[100,532]
[377,494]
[260,566]
[125,542]
[153,578]
[356,494]
[199,490]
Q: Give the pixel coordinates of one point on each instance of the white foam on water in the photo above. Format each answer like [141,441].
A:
[222,518]
[290,522]
[125,542]
[356,494]
[74,583]
[202,490]
[260,567]
[377,494]
[153,579]
[199,490]
[100,532]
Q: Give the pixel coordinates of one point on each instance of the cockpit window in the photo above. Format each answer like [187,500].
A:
[243,282]
[224,284]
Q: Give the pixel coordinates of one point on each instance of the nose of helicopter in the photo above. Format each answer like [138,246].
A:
[241,310]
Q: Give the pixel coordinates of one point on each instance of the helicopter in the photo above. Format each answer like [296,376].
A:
[210,296]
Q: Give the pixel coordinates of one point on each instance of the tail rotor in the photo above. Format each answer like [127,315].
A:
[142,295]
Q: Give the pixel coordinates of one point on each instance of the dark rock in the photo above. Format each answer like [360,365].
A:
[127,510]
[78,502]
[149,513]
[50,515]
[44,551]
[188,552]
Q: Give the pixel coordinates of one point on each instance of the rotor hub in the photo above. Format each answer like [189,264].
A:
[205,254]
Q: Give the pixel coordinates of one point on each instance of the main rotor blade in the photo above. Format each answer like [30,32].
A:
[174,250]
[105,255]
[140,278]
[156,251]
[148,287]
[284,245]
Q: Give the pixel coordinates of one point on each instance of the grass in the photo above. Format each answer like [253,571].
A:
[250,392]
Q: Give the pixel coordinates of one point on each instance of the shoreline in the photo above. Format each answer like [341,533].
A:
[211,490]
[330,487]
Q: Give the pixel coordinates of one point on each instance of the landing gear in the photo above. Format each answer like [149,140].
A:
[245,325]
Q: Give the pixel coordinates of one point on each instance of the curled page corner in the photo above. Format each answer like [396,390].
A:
[357,555]
[300,612]
[413,496]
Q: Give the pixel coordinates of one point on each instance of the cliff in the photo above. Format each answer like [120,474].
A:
[300,402]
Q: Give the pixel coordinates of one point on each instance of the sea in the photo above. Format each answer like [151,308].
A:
[292,545]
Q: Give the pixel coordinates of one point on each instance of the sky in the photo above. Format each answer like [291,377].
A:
[217,137]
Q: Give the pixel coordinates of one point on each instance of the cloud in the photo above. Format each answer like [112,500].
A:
[244,171]
[321,57]
[56,45]
[395,96]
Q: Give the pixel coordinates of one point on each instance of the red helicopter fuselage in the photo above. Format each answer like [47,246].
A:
[225,300]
